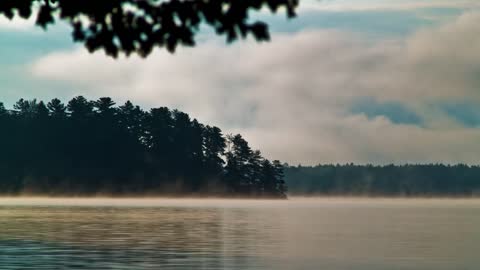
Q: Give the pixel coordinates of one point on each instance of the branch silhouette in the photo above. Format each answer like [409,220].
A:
[138,26]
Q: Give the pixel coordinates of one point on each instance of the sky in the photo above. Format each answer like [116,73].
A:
[363,81]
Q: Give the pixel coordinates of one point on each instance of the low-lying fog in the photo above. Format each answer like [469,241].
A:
[227,203]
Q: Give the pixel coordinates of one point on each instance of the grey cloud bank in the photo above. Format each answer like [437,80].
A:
[292,97]
[362,5]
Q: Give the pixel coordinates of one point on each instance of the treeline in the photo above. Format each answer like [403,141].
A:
[88,147]
[390,180]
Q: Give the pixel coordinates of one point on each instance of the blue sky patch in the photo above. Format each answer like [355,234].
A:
[395,111]
[374,22]
[467,113]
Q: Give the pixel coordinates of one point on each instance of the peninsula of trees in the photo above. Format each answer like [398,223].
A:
[390,180]
[96,148]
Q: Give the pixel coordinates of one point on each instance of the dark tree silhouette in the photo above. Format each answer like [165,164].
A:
[57,108]
[248,172]
[137,26]
[390,180]
[94,147]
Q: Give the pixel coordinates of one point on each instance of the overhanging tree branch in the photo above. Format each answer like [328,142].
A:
[138,26]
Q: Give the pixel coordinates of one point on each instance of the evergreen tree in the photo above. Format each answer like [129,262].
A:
[57,109]
[89,147]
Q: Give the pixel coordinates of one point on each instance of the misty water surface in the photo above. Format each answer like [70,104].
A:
[224,234]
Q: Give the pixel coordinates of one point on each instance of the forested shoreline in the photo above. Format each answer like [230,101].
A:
[86,147]
[410,180]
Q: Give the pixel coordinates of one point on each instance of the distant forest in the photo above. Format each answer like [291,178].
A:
[390,180]
[88,147]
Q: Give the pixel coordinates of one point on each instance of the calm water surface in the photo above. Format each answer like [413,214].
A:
[357,234]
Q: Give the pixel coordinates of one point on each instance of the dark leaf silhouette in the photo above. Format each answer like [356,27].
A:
[137,26]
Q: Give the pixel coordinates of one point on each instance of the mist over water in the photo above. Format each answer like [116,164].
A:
[339,233]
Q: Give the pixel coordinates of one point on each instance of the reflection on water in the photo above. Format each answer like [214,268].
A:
[217,234]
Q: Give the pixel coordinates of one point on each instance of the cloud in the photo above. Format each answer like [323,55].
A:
[381,5]
[293,97]
[395,111]
[16,24]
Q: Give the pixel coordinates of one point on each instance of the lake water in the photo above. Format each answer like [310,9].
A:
[356,234]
